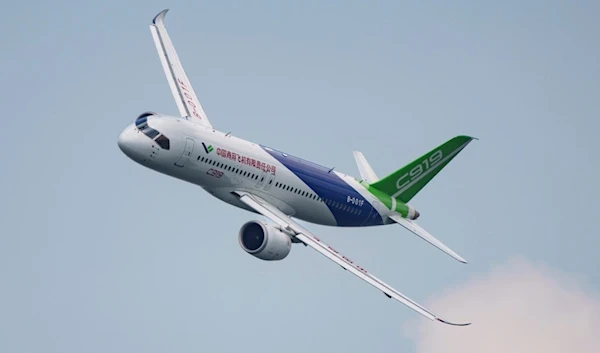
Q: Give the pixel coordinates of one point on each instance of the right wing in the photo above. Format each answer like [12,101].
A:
[306,237]
[366,172]
[181,87]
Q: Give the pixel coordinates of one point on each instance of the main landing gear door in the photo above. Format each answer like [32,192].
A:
[187,152]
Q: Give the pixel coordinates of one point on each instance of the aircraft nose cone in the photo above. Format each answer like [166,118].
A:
[127,140]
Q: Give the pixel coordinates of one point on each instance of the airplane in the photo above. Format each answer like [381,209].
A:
[278,185]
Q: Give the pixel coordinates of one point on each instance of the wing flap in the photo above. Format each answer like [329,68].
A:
[181,87]
[423,234]
[306,237]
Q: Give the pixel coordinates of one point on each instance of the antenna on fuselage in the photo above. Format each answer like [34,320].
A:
[331,170]
[227,134]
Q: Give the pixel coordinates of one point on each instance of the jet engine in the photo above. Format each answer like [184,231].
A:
[264,241]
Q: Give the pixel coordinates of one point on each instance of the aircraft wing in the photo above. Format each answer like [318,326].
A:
[181,87]
[306,237]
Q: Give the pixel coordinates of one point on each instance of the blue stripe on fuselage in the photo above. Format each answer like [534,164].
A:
[329,186]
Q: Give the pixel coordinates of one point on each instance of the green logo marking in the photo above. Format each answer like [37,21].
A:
[208,148]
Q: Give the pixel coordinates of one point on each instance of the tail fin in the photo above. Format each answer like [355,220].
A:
[405,183]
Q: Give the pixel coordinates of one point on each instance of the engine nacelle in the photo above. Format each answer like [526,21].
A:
[264,241]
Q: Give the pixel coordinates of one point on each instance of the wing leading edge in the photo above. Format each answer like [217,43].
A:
[181,87]
[302,234]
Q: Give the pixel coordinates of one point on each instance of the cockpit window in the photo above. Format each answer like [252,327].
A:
[142,124]
[163,142]
[150,132]
[141,121]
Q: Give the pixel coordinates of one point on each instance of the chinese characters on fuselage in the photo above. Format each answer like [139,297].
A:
[251,162]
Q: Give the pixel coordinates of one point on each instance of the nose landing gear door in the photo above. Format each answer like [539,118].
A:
[187,152]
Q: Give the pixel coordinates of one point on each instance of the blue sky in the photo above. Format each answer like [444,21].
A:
[100,254]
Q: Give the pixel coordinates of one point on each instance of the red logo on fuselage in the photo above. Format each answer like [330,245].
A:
[251,162]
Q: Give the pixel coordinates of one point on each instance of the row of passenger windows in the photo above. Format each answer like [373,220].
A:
[228,168]
[298,191]
[310,195]
[336,204]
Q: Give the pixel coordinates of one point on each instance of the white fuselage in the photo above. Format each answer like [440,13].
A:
[221,164]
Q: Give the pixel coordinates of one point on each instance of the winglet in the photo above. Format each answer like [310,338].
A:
[451,323]
[160,16]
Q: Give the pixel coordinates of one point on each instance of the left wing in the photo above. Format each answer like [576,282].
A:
[303,235]
[181,87]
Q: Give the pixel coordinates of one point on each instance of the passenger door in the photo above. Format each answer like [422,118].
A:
[187,152]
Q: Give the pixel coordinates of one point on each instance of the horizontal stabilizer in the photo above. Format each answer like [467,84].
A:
[366,172]
[416,229]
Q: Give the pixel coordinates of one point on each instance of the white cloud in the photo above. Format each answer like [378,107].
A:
[517,307]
